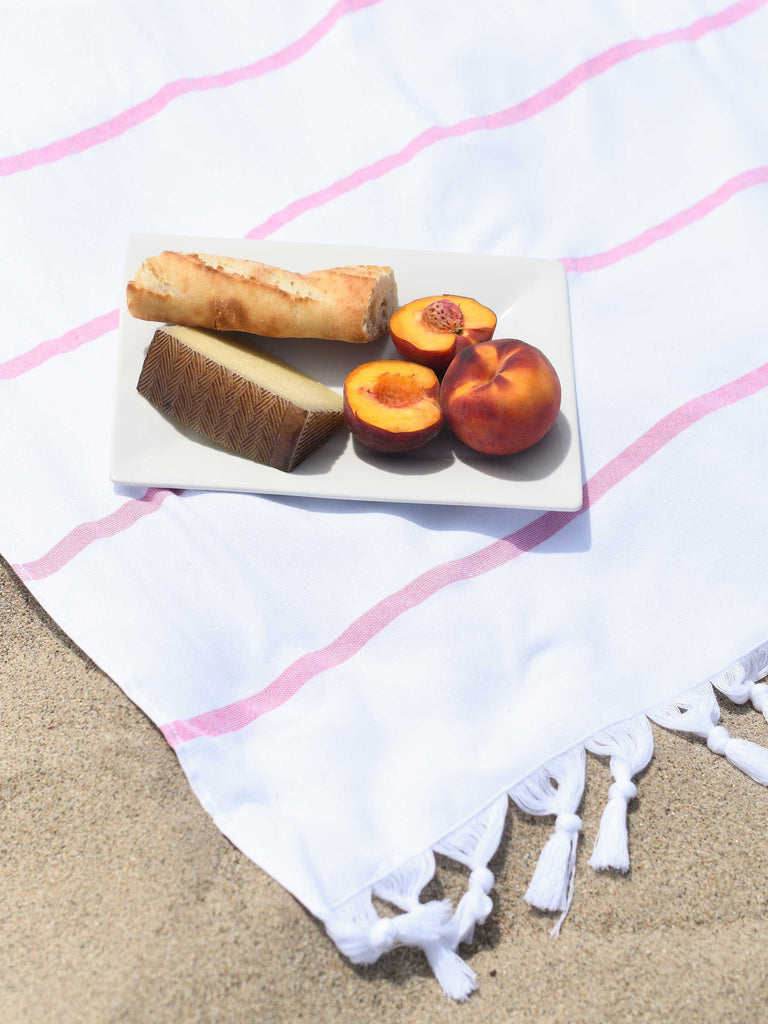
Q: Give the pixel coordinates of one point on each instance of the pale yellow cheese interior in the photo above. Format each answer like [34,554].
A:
[264,369]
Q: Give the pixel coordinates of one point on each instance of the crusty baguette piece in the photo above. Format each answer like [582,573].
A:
[234,393]
[225,294]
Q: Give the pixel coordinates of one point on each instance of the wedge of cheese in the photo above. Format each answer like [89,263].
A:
[238,395]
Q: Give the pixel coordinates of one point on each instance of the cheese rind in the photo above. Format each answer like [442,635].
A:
[238,396]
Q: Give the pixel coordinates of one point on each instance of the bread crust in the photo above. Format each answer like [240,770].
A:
[227,294]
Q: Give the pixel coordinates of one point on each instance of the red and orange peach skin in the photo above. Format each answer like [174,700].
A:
[500,397]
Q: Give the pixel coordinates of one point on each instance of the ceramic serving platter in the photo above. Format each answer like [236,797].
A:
[530,299]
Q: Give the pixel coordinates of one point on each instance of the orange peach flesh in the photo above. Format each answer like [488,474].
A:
[501,397]
[391,405]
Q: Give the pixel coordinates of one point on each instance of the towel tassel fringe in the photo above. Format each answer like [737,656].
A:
[629,745]
[698,713]
[556,789]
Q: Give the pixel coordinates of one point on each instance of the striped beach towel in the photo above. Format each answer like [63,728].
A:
[353,684]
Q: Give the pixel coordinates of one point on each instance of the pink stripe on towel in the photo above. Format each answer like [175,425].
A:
[584,264]
[679,221]
[242,712]
[573,264]
[58,346]
[509,116]
[86,533]
[522,111]
[123,122]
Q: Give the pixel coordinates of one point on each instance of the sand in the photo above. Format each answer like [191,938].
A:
[121,902]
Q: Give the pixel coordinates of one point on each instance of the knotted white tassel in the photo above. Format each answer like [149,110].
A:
[474,907]
[630,747]
[555,789]
[364,942]
[698,713]
[551,887]
[350,926]
[473,844]
[758,694]
[402,889]
[739,682]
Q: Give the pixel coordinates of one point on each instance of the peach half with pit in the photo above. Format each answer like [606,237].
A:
[391,405]
[501,397]
[432,330]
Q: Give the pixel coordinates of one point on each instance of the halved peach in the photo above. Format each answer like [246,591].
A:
[392,406]
[432,330]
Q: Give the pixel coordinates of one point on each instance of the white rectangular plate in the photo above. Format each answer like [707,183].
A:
[530,299]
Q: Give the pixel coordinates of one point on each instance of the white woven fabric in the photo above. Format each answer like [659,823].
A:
[456,656]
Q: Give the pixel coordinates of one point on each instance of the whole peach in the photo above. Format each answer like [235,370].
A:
[500,397]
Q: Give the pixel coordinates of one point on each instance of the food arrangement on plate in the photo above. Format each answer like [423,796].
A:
[498,396]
